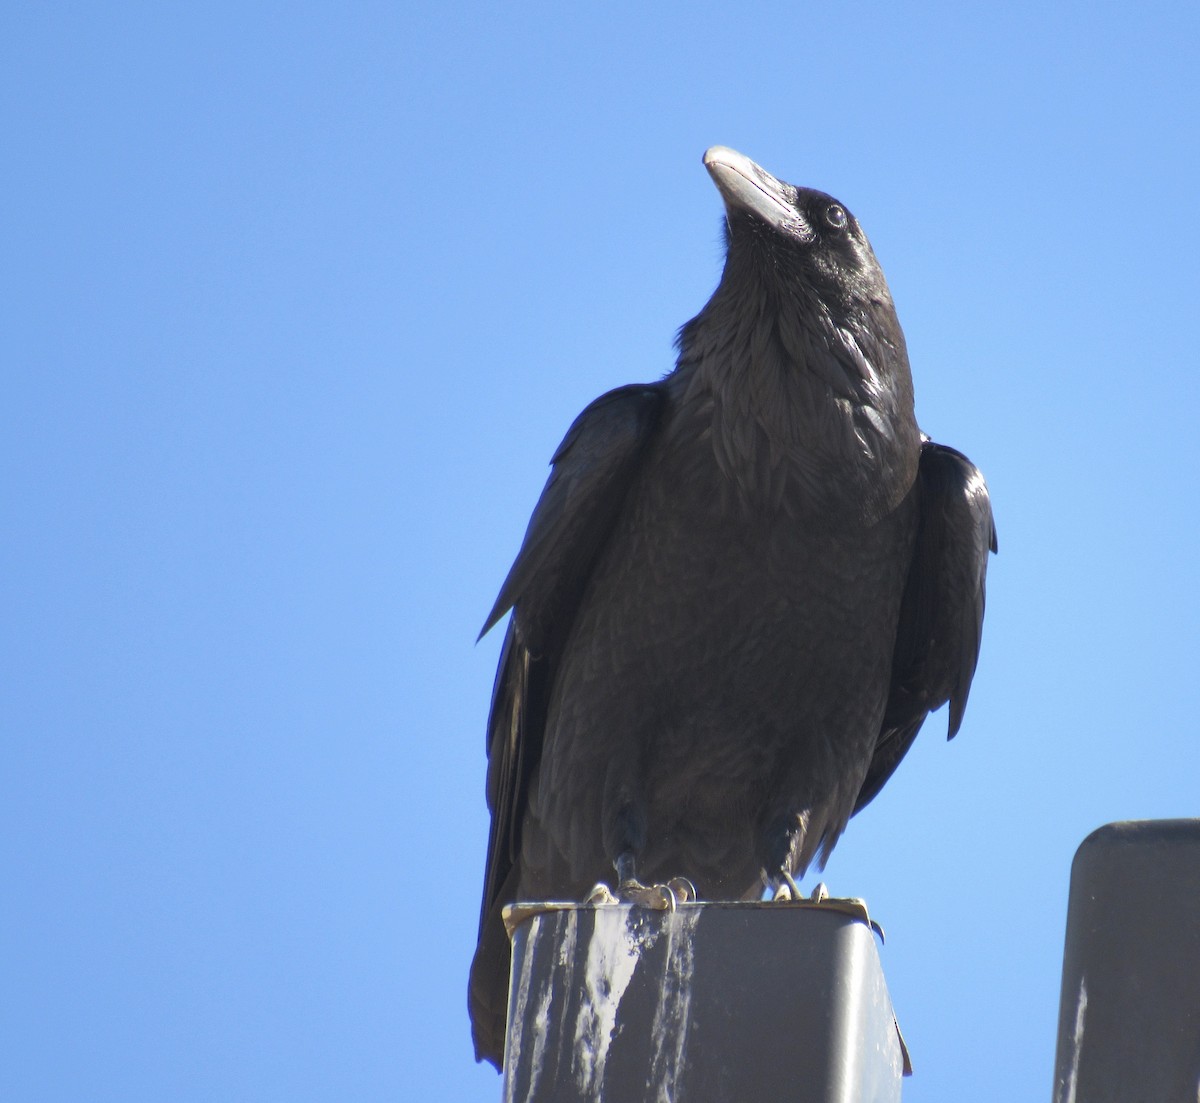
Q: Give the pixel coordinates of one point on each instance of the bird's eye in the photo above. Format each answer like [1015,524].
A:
[835,216]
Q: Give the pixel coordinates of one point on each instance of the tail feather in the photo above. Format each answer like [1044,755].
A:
[487,992]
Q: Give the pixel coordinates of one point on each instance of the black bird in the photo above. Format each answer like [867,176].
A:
[743,589]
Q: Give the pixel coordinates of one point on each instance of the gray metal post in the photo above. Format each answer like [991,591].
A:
[1129,1021]
[710,1002]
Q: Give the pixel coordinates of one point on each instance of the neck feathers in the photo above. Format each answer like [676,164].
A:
[807,415]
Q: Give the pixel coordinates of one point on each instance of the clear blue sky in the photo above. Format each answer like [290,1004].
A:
[297,302]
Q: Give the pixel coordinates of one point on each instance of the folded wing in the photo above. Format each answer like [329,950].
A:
[593,470]
[941,615]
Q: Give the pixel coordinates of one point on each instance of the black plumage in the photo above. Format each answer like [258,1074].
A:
[743,589]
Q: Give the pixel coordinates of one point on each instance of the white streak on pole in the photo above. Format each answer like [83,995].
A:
[670,1029]
[1076,1042]
[613,953]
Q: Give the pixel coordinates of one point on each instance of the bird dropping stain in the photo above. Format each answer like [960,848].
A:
[613,952]
[669,1033]
[1076,1042]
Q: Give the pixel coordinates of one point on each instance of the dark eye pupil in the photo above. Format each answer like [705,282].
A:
[835,216]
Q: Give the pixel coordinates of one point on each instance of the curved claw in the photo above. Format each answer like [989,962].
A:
[786,888]
[600,894]
[683,888]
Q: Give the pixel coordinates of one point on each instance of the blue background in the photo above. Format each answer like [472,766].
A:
[297,302]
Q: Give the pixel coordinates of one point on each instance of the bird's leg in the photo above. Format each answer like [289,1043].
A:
[781,844]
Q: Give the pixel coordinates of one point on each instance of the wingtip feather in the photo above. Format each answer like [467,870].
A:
[494,617]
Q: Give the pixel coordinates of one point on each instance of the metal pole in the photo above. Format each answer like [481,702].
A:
[709,1002]
[1129,1021]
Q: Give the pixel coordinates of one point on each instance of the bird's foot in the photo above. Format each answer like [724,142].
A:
[678,890]
[787,891]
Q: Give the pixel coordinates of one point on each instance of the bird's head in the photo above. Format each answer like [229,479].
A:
[799,240]
[801,288]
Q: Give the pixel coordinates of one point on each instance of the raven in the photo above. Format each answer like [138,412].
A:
[743,589]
